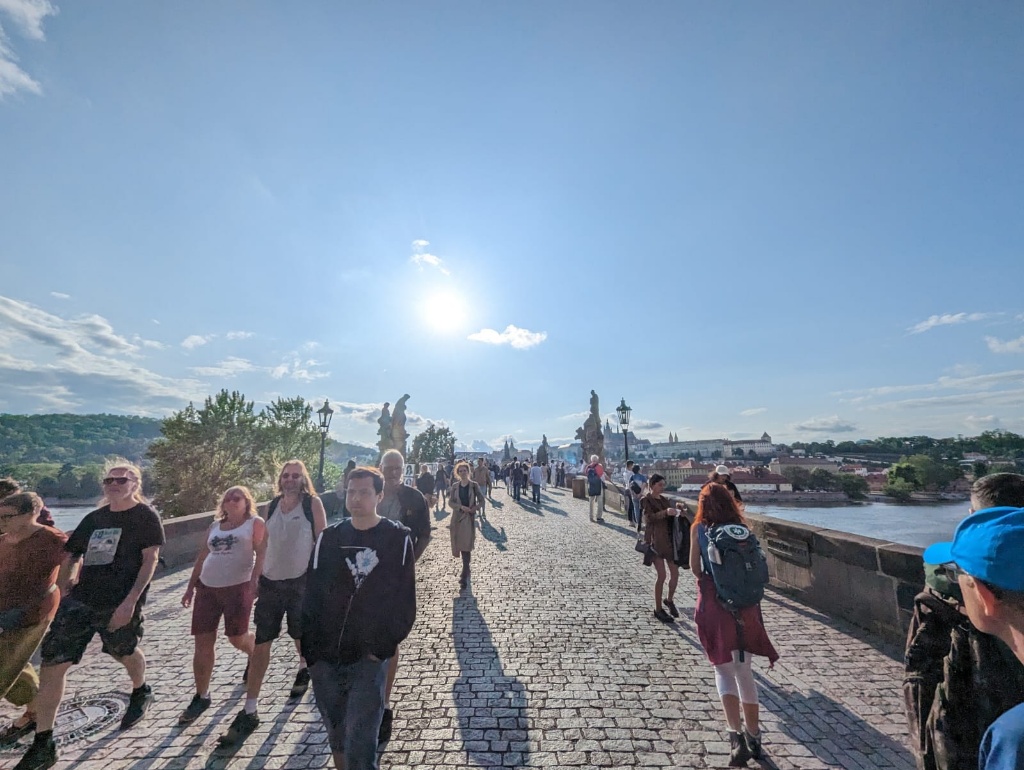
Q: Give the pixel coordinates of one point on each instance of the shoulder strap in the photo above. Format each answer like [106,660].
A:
[307,508]
[272,507]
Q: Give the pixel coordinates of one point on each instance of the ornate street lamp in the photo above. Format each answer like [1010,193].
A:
[624,412]
[324,415]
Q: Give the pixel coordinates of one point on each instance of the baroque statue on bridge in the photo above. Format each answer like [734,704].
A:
[399,435]
[384,431]
[591,435]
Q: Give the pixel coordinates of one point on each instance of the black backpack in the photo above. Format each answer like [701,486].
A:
[741,571]
[594,485]
[307,509]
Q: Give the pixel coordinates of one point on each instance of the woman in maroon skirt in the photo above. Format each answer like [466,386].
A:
[728,650]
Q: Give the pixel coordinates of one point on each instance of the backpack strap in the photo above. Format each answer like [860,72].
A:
[307,508]
[272,507]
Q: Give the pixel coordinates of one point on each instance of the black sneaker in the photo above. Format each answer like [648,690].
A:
[198,705]
[40,755]
[663,616]
[384,733]
[739,753]
[301,684]
[241,728]
[672,608]
[14,733]
[137,705]
[753,744]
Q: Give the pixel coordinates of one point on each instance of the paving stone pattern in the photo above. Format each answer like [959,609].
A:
[551,659]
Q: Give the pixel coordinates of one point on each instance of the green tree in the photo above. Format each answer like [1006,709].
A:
[979,469]
[855,487]
[432,445]
[287,431]
[205,451]
[800,478]
[823,480]
[899,489]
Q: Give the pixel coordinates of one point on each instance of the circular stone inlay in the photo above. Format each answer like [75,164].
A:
[79,718]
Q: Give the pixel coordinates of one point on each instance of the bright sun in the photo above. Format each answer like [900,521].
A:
[444,312]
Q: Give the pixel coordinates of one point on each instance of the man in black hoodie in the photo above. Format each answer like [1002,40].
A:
[360,603]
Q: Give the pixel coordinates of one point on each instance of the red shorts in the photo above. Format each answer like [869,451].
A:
[233,602]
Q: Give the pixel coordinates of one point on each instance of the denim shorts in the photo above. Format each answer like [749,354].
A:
[76,624]
[350,698]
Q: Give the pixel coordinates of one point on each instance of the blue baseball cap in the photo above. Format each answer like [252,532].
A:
[988,545]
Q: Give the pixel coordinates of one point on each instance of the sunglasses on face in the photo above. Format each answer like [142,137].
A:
[951,571]
[291,475]
[119,480]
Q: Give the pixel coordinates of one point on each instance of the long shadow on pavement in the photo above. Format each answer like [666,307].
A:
[829,730]
[491,706]
[494,535]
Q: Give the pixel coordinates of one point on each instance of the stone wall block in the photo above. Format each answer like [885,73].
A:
[855,550]
[903,562]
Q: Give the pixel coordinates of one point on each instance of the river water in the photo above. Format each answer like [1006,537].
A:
[919,525]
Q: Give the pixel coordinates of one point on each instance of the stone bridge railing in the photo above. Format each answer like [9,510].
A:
[866,581]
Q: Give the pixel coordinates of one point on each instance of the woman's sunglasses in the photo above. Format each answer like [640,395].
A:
[234,499]
[119,480]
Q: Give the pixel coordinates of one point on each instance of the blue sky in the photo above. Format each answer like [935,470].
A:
[797,218]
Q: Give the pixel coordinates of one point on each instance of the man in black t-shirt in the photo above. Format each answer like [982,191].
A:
[114,552]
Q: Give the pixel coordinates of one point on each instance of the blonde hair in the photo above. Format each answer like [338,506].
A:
[460,464]
[133,470]
[307,482]
[250,502]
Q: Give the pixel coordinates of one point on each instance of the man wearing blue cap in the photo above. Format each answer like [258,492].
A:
[987,558]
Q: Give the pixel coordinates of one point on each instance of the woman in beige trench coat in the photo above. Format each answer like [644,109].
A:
[466,499]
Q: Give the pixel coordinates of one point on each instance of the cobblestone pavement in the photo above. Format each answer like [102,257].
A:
[551,659]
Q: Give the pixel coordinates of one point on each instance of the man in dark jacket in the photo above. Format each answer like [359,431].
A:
[360,604]
[958,679]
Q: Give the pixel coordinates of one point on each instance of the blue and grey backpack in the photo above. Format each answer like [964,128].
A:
[737,565]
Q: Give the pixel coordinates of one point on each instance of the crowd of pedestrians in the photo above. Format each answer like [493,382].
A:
[256,575]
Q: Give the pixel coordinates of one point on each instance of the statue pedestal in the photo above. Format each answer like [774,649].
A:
[579,487]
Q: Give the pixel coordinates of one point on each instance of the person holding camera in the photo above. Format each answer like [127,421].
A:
[660,516]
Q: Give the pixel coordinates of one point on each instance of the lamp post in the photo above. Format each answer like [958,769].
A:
[324,415]
[624,412]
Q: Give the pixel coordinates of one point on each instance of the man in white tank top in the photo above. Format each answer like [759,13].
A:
[290,538]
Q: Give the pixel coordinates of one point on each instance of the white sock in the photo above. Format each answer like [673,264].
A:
[250,705]
[205,695]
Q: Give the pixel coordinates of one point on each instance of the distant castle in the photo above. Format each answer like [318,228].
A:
[703,448]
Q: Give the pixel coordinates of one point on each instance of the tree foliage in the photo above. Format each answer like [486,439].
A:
[821,480]
[77,439]
[432,445]
[226,442]
[922,472]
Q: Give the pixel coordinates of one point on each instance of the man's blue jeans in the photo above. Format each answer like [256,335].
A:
[516,490]
[536,493]
[350,698]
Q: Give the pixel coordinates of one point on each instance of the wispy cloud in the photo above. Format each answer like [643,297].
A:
[520,339]
[229,367]
[754,411]
[976,424]
[194,341]
[57,294]
[27,16]
[422,258]
[240,335]
[1009,346]
[833,424]
[645,425]
[947,319]
[62,363]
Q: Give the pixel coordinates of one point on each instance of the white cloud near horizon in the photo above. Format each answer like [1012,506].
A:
[520,339]
[946,319]
[27,16]
[833,424]
[754,411]
[62,363]
[1009,346]
[240,335]
[60,295]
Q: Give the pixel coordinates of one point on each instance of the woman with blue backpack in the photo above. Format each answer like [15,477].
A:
[731,574]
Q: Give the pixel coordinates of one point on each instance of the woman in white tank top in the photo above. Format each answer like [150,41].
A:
[223,583]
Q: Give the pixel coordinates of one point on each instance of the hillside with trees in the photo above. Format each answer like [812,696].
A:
[78,439]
